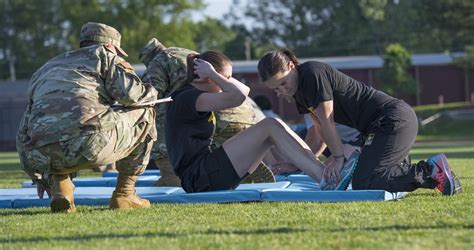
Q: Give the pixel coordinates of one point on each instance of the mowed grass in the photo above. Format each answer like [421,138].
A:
[423,220]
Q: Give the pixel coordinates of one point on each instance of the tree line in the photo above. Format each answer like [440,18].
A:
[32,31]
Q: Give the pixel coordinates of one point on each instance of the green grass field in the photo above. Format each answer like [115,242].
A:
[423,220]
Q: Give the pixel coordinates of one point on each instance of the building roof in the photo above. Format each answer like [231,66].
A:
[348,62]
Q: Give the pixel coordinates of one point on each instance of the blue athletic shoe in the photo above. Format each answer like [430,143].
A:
[448,183]
[347,171]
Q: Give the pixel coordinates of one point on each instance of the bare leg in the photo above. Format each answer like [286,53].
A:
[247,148]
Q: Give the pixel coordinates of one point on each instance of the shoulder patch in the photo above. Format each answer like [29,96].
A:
[312,110]
[126,66]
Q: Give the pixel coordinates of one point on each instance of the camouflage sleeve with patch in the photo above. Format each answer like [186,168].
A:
[167,71]
[158,76]
[125,87]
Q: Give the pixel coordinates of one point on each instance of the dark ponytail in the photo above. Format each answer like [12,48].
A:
[218,60]
[274,62]
[190,76]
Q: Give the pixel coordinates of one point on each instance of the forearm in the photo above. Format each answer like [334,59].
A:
[241,86]
[230,85]
[332,139]
[315,141]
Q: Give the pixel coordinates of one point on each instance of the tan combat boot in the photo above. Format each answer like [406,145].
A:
[167,176]
[124,195]
[63,194]
[262,174]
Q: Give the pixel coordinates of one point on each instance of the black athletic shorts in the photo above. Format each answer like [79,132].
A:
[211,172]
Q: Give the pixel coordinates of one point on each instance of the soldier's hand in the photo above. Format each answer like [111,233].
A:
[203,69]
[331,171]
[41,188]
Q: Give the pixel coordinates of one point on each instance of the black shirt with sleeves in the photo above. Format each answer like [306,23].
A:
[188,133]
[355,104]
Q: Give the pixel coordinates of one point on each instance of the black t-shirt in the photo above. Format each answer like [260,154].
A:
[355,103]
[188,133]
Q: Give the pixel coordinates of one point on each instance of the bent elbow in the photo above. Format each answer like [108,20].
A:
[240,98]
[237,99]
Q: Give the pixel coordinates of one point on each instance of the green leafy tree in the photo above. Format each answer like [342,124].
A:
[29,34]
[318,28]
[212,34]
[137,21]
[341,28]
[467,61]
[394,74]
[452,20]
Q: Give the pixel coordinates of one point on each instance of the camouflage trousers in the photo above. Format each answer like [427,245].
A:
[128,144]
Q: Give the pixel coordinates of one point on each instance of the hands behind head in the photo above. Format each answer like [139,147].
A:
[204,70]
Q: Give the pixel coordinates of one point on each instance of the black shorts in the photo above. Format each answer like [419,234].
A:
[211,172]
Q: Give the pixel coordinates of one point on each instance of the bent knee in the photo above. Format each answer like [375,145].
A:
[272,123]
[360,182]
[358,185]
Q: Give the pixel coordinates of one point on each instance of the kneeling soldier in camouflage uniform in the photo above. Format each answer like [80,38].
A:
[71,122]
[166,71]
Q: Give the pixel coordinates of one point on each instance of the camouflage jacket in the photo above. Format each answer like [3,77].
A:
[72,95]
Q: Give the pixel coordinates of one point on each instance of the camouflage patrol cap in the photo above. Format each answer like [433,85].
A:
[102,33]
[147,53]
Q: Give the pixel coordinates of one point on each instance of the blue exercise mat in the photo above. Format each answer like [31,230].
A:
[278,191]
[296,195]
[311,191]
[92,196]
[149,180]
[27,197]
[143,181]
[146,173]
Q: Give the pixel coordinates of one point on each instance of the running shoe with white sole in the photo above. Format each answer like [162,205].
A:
[346,173]
[448,183]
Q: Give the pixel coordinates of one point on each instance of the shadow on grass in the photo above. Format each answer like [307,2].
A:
[15,212]
[283,230]
[23,212]
[454,155]
[407,227]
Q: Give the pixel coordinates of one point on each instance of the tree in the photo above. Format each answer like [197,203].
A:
[31,32]
[29,35]
[360,27]
[212,34]
[394,73]
[453,20]
[136,20]
[318,28]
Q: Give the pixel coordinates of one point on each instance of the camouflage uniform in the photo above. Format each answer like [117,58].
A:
[166,71]
[70,122]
